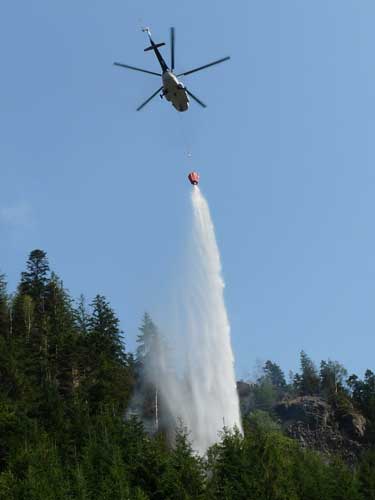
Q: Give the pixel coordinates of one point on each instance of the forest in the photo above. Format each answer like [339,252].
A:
[66,384]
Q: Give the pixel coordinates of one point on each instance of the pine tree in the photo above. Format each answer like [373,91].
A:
[366,475]
[363,393]
[184,477]
[61,336]
[307,383]
[108,380]
[44,475]
[146,339]
[81,316]
[104,330]
[34,280]
[332,377]
[275,374]
[265,394]
[152,368]
[29,321]
[4,309]
[152,355]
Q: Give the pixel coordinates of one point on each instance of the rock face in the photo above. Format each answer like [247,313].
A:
[317,425]
[353,424]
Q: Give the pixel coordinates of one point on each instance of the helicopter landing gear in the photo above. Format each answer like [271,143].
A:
[163,93]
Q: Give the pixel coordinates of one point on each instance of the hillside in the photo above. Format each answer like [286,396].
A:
[68,386]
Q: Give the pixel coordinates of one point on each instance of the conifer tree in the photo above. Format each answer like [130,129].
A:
[4,310]
[188,471]
[81,316]
[34,280]
[44,475]
[146,339]
[108,378]
[152,368]
[152,355]
[332,377]
[366,475]
[104,330]
[265,394]
[307,383]
[61,335]
[363,393]
[29,319]
[23,313]
[275,374]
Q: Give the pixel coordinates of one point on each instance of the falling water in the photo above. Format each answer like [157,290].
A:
[205,397]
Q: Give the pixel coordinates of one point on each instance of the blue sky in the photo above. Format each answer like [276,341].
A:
[285,150]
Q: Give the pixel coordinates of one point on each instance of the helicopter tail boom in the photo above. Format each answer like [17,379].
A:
[152,47]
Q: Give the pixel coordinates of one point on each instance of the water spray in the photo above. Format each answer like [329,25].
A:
[203,394]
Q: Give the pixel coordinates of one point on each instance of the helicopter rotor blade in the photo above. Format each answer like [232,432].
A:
[172,47]
[149,99]
[205,66]
[136,69]
[196,98]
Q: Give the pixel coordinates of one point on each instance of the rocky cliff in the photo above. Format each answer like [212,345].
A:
[316,424]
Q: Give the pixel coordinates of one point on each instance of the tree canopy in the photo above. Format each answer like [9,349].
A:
[66,385]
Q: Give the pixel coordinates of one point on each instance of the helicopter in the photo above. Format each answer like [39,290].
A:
[172,89]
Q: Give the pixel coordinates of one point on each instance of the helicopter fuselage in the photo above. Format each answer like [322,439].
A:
[174,91]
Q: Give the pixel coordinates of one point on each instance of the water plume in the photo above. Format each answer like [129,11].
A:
[203,395]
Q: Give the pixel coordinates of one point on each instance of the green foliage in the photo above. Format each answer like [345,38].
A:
[184,478]
[265,394]
[363,392]
[261,421]
[146,338]
[82,316]
[4,310]
[44,478]
[366,475]
[23,314]
[307,383]
[332,378]
[104,331]
[257,466]
[65,384]
[151,348]
[34,280]
[270,386]
[9,486]
[316,479]
[107,380]
[101,472]
[275,374]
[267,465]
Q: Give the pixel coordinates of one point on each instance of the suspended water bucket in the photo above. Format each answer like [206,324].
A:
[194,178]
